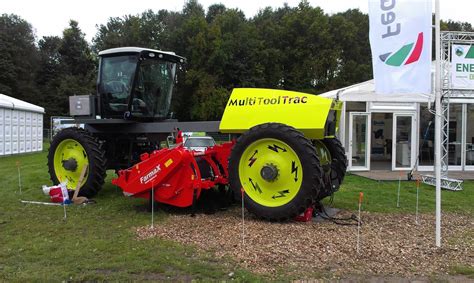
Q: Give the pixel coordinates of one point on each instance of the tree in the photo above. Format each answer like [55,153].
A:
[18,60]
[456,26]
[151,30]
[189,40]
[49,75]
[77,66]
[66,68]
[296,48]
[303,41]
[350,34]
[75,52]
[214,10]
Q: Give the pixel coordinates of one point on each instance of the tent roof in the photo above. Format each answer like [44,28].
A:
[16,104]
[365,91]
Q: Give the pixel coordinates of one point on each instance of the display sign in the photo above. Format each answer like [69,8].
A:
[462,67]
[400,39]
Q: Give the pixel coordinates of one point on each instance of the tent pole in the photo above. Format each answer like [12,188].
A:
[438,123]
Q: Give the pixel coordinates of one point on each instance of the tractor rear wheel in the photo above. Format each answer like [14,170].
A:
[277,171]
[334,164]
[71,149]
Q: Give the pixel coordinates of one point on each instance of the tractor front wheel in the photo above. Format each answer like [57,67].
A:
[277,171]
[71,149]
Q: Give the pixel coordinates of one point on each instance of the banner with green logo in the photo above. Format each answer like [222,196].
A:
[400,39]
[462,67]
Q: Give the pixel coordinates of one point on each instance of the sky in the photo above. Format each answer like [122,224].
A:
[51,17]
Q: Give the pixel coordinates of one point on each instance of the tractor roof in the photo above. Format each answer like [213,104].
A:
[140,50]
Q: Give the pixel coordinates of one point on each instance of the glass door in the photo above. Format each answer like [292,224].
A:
[426,142]
[403,145]
[455,142]
[469,163]
[359,141]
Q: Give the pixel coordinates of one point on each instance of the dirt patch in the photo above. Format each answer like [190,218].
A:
[391,244]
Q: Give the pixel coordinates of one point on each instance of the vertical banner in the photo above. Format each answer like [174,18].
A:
[400,40]
[462,66]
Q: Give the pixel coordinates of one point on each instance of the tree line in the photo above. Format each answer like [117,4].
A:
[295,48]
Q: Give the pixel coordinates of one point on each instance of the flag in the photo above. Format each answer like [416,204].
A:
[400,40]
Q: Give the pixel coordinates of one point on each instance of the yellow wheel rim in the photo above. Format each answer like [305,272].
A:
[270,172]
[69,159]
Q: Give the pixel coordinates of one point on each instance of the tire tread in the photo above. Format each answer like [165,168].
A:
[96,155]
[309,190]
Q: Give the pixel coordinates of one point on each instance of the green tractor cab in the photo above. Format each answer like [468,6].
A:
[136,83]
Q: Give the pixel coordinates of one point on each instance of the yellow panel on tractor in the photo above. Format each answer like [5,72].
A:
[248,107]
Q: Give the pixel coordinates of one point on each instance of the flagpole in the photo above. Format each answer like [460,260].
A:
[438,123]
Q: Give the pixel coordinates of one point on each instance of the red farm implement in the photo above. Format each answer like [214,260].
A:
[174,174]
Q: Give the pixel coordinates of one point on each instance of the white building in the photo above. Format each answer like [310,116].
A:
[21,126]
[392,132]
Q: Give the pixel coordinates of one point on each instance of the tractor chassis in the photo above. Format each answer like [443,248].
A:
[124,140]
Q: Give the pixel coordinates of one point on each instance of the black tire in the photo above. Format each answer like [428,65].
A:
[311,182]
[334,175]
[95,154]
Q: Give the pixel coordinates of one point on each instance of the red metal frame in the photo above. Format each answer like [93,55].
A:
[174,174]
[306,216]
[175,178]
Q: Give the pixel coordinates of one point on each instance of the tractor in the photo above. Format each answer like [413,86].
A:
[284,158]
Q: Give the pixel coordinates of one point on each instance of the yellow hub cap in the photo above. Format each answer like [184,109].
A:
[69,159]
[270,172]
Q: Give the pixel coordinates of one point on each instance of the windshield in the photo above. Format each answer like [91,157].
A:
[153,89]
[116,77]
[199,142]
[151,92]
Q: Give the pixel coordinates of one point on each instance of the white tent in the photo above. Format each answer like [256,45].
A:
[21,126]
[365,91]
[366,112]
[16,104]
[401,122]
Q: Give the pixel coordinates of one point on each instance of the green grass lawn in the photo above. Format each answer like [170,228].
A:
[382,196]
[97,242]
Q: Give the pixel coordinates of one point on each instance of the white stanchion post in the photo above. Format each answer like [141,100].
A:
[399,185]
[41,202]
[438,123]
[152,199]
[19,175]
[243,218]
[417,198]
[361,196]
[65,195]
